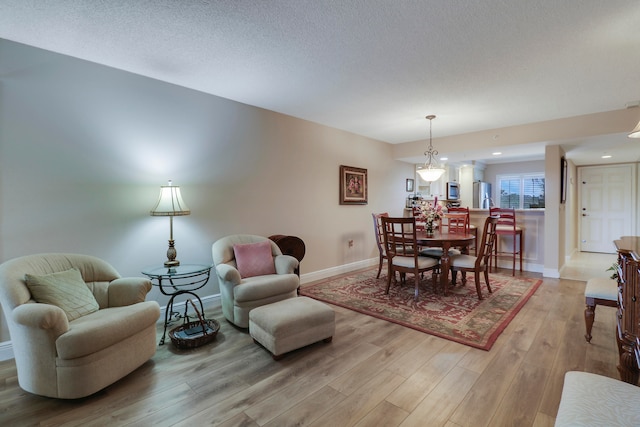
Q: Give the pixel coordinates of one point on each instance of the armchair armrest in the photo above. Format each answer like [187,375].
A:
[128,291]
[286,264]
[43,317]
[228,274]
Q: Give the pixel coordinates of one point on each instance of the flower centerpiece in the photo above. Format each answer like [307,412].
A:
[430,213]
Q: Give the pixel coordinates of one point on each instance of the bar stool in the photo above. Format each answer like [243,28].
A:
[507,227]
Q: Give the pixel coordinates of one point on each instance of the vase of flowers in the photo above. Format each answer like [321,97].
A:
[430,213]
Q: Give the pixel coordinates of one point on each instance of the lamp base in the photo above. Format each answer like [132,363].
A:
[171,255]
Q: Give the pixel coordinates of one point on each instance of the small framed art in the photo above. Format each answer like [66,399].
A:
[409,185]
[563,180]
[353,186]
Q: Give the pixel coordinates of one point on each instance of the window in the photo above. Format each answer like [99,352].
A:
[524,191]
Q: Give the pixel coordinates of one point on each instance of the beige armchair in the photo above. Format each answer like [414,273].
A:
[68,354]
[241,294]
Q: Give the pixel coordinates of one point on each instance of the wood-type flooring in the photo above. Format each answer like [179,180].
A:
[374,373]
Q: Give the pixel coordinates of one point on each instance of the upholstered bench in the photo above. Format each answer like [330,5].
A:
[291,324]
[595,400]
[599,291]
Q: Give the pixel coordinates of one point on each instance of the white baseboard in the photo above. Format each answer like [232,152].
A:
[553,273]
[526,266]
[342,269]
[213,301]
[210,301]
[334,271]
[6,350]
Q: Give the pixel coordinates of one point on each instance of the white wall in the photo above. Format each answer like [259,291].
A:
[572,213]
[535,224]
[84,149]
[493,170]
[554,245]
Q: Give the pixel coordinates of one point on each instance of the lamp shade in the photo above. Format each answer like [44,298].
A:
[635,133]
[170,202]
[430,173]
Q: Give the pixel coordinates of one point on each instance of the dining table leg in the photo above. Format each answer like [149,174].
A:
[444,266]
[465,251]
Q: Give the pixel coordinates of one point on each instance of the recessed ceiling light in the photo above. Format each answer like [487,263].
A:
[497,153]
[444,158]
[606,156]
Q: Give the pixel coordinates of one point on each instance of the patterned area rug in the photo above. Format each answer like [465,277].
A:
[460,316]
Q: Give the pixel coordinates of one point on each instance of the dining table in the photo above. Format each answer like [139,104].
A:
[445,239]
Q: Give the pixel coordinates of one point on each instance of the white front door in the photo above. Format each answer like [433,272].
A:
[607,205]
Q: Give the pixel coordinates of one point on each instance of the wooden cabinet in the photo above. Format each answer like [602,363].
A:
[628,329]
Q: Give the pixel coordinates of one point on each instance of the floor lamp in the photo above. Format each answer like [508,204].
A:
[170,204]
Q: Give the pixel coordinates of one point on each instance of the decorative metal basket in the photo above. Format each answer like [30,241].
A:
[195,333]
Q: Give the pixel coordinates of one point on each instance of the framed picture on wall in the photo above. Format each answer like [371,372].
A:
[409,185]
[563,180]
[353,186]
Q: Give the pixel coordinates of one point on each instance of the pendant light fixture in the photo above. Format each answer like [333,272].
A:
[430,171]
[635,133]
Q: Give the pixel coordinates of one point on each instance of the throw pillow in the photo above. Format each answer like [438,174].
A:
[65,289]
[254,259]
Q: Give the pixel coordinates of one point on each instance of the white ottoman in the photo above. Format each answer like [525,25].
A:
[291,324]
[594,400]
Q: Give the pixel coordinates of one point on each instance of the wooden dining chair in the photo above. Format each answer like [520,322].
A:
[417,211]
[379,233]
[400,241]
[507,226]
[457,222]
[480,263]
[452,223]
[472,228]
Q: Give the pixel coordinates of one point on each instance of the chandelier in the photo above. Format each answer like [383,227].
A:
[430,171]
[635,133]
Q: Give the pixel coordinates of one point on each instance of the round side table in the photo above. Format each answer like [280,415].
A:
[178,280]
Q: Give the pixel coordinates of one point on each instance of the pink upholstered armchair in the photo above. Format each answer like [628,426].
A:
[244,282]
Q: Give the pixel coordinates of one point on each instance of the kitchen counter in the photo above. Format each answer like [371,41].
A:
[523,211]
[532,223]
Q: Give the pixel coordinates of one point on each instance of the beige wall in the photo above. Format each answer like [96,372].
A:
[552,132]
[571,212]
[84,149]
[554,245]
[532,222]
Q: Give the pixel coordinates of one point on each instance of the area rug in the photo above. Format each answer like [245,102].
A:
[459,316]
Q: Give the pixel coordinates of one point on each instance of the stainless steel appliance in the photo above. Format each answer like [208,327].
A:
[453,191]
[482,197]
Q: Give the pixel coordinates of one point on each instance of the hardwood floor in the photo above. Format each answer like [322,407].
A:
[374,373]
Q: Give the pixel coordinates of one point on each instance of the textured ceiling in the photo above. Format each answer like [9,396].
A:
[372,67]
